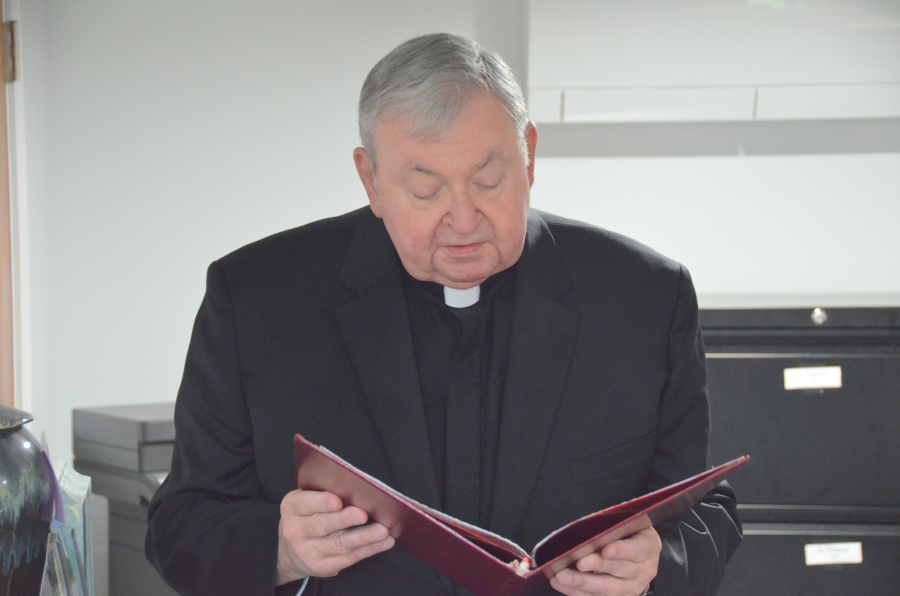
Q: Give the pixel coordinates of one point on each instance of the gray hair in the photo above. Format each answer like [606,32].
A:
[431,79]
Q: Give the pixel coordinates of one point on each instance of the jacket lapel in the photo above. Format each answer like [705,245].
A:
[543,337]
[375,328]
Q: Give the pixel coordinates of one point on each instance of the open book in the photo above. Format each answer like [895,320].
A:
[483,562]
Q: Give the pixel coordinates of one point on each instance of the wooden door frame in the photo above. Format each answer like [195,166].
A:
[7,341]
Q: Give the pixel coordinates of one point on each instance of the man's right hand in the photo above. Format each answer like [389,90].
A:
[318,536]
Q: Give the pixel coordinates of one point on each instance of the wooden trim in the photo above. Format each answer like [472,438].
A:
[7,350]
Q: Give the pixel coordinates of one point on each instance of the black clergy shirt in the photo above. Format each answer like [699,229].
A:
[461,357]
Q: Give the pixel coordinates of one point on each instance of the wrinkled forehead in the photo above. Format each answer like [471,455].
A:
[437,122]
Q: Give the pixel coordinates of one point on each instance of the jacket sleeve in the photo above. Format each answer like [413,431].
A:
[210,529]
[697,544]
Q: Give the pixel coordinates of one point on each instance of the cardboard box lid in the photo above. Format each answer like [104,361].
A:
[126,426]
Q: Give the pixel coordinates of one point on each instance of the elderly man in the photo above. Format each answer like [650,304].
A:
[512,368]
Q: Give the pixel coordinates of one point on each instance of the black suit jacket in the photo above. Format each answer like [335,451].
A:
[307,331]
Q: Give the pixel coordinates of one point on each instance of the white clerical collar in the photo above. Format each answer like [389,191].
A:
[461,298]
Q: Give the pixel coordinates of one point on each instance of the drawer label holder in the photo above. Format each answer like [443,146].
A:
[838,553]
[813,377]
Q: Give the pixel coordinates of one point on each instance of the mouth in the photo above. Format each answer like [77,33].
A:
[463,250]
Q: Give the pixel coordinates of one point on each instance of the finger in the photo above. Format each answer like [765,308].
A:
[624,569]
[323,524]
[575,583]
[345,541]
[330,566]
[641,547]
[567,590]
[591,562]
[373,548]
[308,502]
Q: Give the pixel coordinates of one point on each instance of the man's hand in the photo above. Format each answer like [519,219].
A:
[622,568]
[318,536]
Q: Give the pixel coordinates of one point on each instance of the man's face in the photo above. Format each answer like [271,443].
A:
[456,208]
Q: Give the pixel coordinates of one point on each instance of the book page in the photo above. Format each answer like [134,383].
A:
[581,530]
[495,545]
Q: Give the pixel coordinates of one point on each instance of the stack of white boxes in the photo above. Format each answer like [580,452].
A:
[127,451]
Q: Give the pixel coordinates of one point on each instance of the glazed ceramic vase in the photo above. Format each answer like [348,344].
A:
[26,506]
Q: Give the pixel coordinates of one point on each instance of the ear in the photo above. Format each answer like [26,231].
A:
[531,145]
[367,176]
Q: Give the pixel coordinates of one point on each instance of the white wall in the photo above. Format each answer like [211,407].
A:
[158,136]
[797,230]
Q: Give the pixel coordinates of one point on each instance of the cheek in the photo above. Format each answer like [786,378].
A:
[513,240]
[509,228]
[413,234]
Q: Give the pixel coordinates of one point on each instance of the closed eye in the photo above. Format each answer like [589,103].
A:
[426,197]
[425,192]
[488,187]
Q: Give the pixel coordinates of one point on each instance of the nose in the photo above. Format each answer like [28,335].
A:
[463,216]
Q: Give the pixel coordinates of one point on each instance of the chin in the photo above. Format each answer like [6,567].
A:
[465,275]
[461,280]
[460,285]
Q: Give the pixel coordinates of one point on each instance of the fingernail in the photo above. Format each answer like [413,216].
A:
[383,545]
[564,577]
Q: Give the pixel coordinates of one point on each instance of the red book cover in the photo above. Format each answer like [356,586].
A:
[483,562]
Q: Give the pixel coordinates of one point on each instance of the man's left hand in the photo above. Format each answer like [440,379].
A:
[621,568]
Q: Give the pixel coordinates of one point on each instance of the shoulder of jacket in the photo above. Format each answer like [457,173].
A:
[591,245]
[315,239]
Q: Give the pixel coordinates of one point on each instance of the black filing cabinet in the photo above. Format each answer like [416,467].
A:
[813,396]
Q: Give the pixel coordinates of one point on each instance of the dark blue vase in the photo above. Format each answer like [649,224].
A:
[26,506]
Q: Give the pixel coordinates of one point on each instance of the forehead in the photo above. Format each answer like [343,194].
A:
[483,133]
